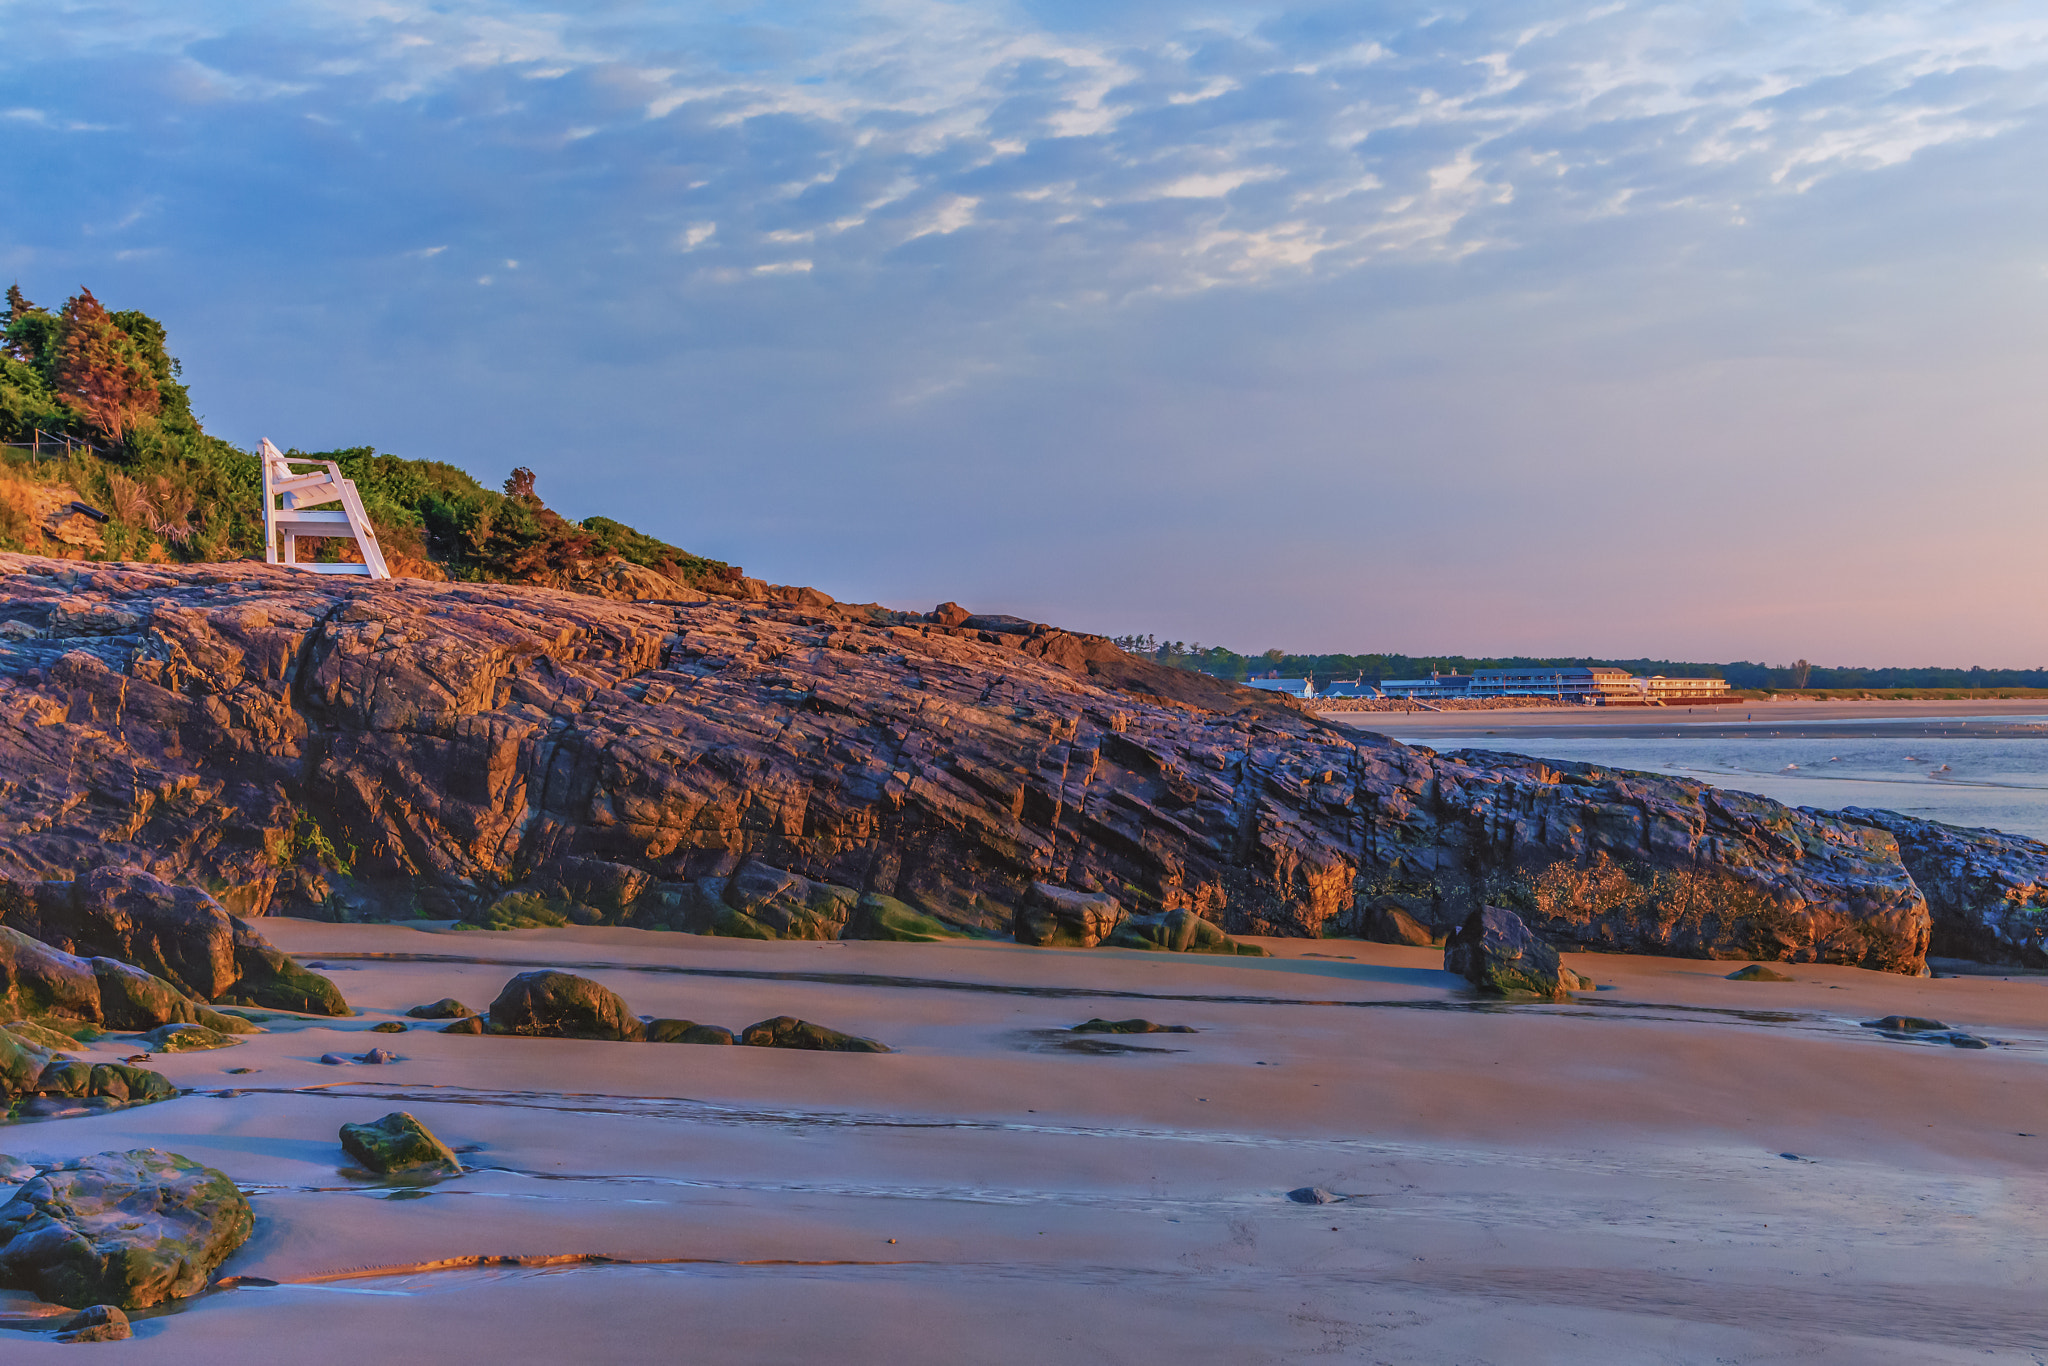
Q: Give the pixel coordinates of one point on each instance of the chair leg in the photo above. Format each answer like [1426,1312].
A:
[291,548]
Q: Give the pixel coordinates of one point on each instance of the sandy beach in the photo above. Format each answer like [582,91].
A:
[1677,1169]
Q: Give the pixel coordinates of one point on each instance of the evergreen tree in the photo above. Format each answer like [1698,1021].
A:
[100,371]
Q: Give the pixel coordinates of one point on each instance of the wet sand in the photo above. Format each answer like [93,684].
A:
[1602,1181]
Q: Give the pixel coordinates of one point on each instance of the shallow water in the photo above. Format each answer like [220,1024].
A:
[1973,771]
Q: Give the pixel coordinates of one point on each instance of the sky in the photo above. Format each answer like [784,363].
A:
[1697,331]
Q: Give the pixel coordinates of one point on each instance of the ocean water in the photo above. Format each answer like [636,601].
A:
[1973,771]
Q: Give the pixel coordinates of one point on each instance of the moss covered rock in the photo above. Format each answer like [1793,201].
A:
[885,918]
[36,979]
[186,1038]
[1059,917]
[468,1025]
[1102,1026]
[787,1031]
[1496,952]
[1179,931]
[42,1036]
[687,1031]
[560,1005]
[130,1229]
[447,1008]
[133,999]
[398,1144]
[101,1323]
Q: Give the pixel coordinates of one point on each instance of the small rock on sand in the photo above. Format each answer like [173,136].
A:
[1906,1024]
[398,1143]
[447,1008]
[377,1057]
[687,1031]
[334,1060]
[470,1025]
[786,1031]
[1102,1026]
[387,1027]
[101,1323]
[1757,972]
[1313,1195]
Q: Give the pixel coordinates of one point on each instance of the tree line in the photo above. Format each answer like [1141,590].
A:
[1744,675]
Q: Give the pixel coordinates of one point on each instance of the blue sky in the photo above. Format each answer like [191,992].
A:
[1692,330]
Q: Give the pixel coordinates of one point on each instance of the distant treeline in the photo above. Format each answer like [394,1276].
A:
[1741,675]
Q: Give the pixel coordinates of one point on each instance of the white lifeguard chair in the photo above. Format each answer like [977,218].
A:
[288,496]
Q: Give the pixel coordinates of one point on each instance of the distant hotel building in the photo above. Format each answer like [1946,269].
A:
[1588,686]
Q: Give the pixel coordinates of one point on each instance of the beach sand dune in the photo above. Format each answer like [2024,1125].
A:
[1601,1181]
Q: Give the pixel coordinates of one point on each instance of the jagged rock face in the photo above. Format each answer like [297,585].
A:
[318,745]
[1987,891]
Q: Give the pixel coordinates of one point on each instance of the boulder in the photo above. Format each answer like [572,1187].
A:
[398,1144]
[130,1229]
[1051,916]
[447,1008]
[470,1024]
[687,1031]
[786,1031]
[387,1027]
[36,979]
[560,1005]
[100,1323]
[14,1171]
[1496,952]
[1757,972]
[1385,920]
[1179,931]
[133,999]
[179,934]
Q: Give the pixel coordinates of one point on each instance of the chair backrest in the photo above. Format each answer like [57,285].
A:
[302,491]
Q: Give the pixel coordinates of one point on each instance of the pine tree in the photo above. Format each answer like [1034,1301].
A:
[100,372]
[28,332]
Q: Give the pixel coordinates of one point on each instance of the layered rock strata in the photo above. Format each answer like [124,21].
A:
[342,747]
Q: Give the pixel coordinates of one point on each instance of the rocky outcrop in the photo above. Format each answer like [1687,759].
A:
[179,934]
[1987,891]
[349,748]
[560,1005]
[130,1229]
[398,1144]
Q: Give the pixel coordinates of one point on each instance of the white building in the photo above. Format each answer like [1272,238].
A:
[1293,687]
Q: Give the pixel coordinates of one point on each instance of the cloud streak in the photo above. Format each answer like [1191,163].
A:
[934,239]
